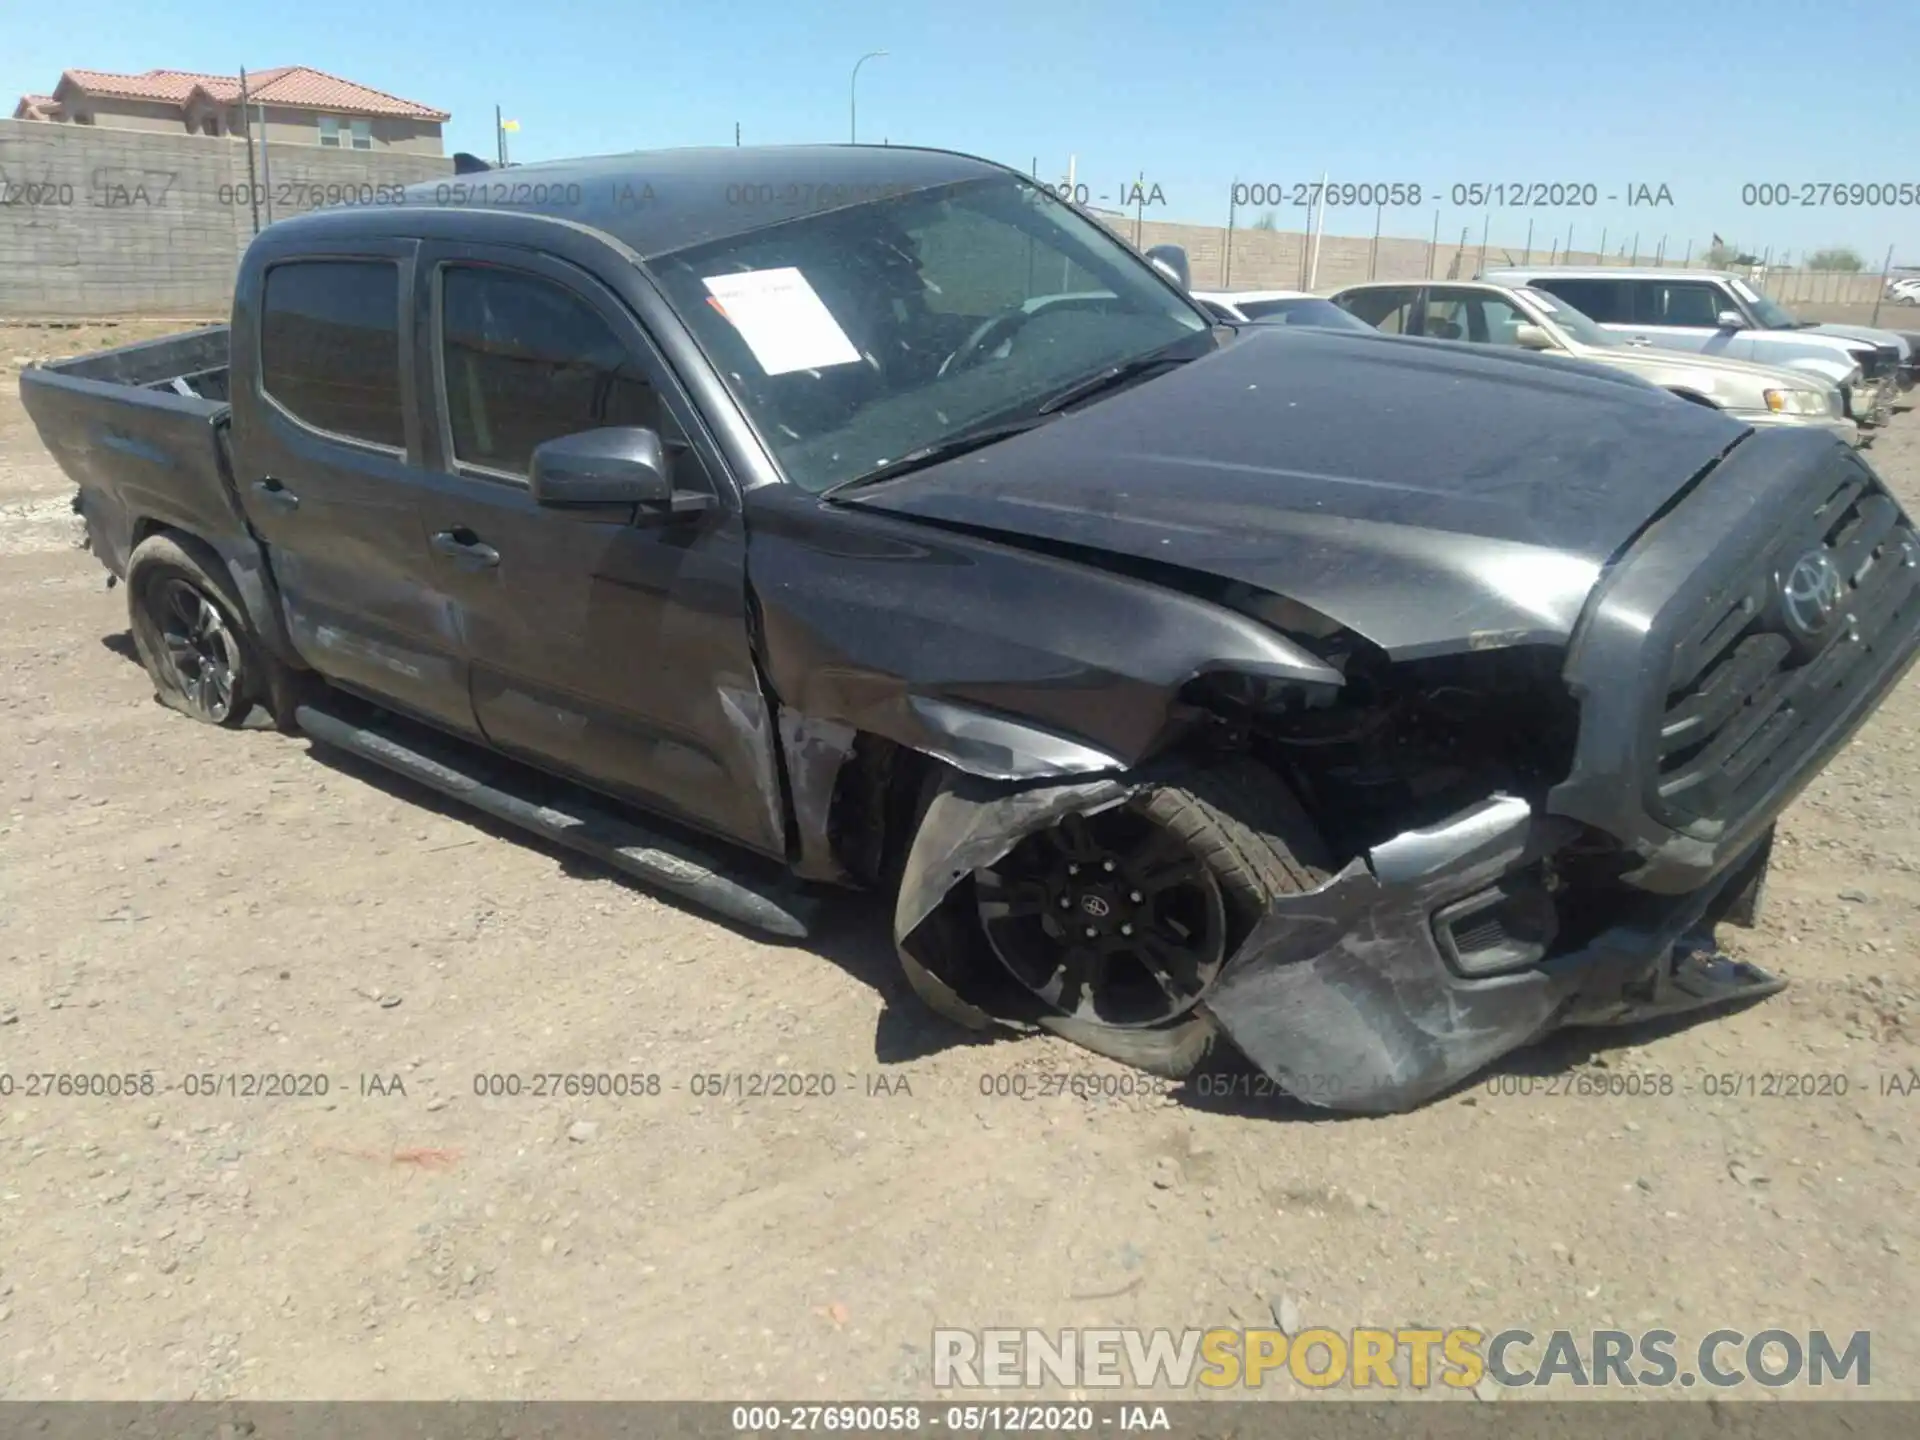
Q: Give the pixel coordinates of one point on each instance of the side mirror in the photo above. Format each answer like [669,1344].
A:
[1171,261]
[1532,337]
[1730,320]
[619,466]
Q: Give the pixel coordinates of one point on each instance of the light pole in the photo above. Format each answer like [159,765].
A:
[853,96]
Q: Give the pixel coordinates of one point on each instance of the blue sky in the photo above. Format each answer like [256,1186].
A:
[1193,97]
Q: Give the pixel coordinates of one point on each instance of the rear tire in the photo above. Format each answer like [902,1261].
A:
[1188,866]
[192,633]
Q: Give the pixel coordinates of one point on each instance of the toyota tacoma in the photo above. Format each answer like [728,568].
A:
[764,521]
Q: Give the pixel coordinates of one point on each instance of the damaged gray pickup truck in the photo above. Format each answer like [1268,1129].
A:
[769,520]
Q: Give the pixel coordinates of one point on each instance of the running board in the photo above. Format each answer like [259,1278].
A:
[611,839]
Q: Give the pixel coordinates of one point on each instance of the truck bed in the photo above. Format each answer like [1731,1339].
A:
[141,431]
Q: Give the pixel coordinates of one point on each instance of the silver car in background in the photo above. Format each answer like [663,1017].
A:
[1484,313]
[1716,313]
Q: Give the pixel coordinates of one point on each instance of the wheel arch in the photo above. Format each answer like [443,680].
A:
[244,565]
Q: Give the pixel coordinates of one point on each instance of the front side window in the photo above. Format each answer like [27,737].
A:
[525,360]
[1475,315]
[1684,304]
[330,347]
[855,337]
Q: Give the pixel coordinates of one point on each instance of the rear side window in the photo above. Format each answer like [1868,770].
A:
[1604,301]
[527,361]
[330,347]
[1659,302]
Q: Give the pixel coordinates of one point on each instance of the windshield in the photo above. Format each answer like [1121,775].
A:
[855,337]
[1575,322]
[1770,315]
[1306,310]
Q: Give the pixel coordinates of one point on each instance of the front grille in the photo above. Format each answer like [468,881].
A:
[1758,670]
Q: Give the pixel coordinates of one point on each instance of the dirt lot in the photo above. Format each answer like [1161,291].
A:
[180,900]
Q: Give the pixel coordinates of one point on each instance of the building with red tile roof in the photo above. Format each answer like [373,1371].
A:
[293,103]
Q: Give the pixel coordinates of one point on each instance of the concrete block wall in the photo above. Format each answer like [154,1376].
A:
[105,223]
[1275,260]
[100,222]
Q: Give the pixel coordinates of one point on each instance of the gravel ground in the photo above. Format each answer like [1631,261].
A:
[186,901]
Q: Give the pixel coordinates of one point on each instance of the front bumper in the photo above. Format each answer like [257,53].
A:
[1870,402]
[1348,998]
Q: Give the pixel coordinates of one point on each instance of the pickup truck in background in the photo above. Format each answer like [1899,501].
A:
[762,521]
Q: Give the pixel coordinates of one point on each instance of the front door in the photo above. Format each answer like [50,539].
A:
[610,647]
[1685,315]
[1466,312]
[328,465]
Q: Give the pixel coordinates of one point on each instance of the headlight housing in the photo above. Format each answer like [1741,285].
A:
[1796,402]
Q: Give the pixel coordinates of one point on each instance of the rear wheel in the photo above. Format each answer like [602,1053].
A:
[192,634]
[1121,921]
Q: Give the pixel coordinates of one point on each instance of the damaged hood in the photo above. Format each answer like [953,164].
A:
[1431,497]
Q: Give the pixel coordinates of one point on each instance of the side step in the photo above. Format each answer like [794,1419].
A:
[614,840]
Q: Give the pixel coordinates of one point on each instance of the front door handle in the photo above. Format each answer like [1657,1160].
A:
[466,549]
[275,495]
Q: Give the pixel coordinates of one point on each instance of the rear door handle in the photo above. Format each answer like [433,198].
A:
[276,495]
[466,549]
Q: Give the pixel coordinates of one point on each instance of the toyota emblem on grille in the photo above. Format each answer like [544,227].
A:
[1095,906]
[1810,595]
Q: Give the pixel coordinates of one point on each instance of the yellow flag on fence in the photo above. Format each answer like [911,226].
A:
[512,127]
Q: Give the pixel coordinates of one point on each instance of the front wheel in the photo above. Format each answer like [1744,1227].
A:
[1119,922]
[191,632]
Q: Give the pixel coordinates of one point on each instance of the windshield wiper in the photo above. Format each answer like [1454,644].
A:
[954,445]
[1175,353]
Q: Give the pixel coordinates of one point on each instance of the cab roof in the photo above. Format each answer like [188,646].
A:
[659,201]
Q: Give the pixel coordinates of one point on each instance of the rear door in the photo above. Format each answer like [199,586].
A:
[610,647]
[327,458]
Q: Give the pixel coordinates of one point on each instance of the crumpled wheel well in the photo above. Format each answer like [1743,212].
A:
[877,798]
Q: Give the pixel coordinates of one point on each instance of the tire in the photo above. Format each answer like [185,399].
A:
[1251,842]
[192,632]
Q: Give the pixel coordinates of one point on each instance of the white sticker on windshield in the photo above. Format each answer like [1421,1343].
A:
[786,325]
[1741,289]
